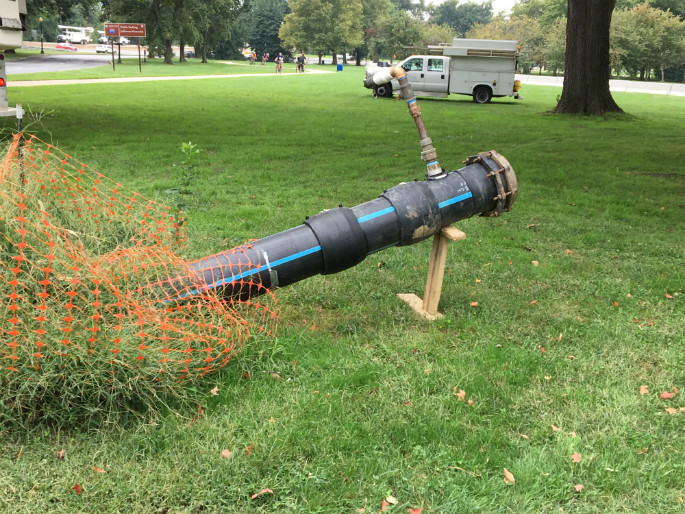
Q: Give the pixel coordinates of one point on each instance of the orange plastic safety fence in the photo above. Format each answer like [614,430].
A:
[84,271]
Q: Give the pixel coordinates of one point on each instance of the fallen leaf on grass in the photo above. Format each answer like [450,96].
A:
[473,304]
[99,470]
[77,488]
[60,455]
[579,487]
[414,511]
[460,395]
[535,263]
[508,477]
[680,499]
[671,410]
[533,302]
[214,391]
[384,506]
[226,454]
[556,428]
[644,390]
[469,401]
[391,500]
[643,451]
[576,457]
[263,491]
[616,304]
[666,395]
[669,297]
[249,449]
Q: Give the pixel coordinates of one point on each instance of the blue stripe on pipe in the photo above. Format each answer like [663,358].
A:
[254,271]
[376,214]
[455,199]
[412,101]
[431,163]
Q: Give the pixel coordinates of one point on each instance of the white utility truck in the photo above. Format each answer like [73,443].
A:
[74,35]
[481,68]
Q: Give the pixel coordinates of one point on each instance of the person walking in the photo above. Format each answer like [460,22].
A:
[279,62]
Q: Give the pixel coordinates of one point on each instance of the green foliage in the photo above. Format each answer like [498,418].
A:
[186,177]
[323,25]
[555,45]
[461,17]
[263,23]
[523,29]
[644,38]
[433,34]
[391,35]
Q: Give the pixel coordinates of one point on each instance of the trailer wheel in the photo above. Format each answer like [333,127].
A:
[384,91]
[482,95]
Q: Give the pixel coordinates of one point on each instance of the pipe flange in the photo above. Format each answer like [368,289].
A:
[498,166]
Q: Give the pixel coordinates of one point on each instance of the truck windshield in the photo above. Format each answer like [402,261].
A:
[415,64]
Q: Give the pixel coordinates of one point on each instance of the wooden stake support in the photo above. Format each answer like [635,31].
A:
[428,307]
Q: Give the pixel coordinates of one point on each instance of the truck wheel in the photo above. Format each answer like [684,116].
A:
[384,91]
[482,95]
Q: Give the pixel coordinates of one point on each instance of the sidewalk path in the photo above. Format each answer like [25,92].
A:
[29,83]
[624,86]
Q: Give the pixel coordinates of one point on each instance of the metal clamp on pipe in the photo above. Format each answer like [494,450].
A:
[499,167]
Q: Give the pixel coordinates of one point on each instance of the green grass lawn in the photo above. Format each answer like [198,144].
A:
[552,359]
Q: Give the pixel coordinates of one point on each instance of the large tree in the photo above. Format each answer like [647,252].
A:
[323,26]
[586,77]
[263,23]
[393,34]
[461,17]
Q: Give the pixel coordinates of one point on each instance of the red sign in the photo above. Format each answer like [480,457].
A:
[125,29]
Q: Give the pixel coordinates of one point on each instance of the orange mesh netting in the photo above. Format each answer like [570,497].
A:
[83,267]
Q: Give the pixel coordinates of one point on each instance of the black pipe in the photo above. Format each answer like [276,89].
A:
[337,239]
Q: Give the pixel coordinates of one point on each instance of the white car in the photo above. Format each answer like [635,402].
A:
[103,49]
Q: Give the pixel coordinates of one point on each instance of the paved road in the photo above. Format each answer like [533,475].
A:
[56,62]
[629,86]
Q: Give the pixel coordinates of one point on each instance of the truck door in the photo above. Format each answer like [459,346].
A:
[437,77]
[415,68]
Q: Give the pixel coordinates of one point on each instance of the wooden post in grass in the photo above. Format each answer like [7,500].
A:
[428,307]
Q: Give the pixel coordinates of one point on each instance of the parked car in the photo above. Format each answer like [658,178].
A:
[66,46]
[103,49]
[189,54]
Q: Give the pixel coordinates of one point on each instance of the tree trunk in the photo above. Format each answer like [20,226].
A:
[335,59]
[320,58]
[168,53]
[204,54]
[344,57]
[587,73]
[181,51]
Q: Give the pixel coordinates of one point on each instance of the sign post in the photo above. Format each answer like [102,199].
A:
[119,30]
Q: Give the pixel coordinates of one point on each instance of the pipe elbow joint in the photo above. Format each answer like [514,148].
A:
[397,72]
